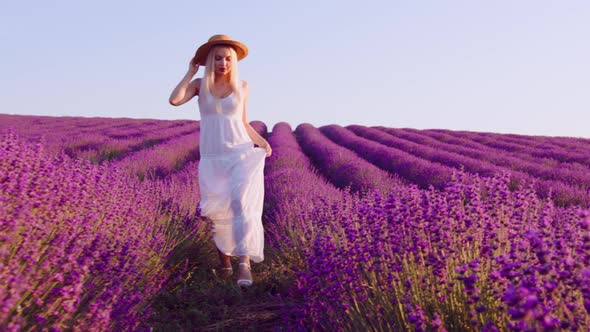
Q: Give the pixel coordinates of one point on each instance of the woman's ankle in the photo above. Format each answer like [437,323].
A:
[245,259]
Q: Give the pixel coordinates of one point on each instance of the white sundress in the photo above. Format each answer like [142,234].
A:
[231,178]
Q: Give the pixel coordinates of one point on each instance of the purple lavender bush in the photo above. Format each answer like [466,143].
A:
[565,187]
[578,156]
[475,161]
[82,246]
[162,159]
[340,166]
[474,257]
[293,190]
[414,169]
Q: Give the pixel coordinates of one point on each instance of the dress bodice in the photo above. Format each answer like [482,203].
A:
[222,128]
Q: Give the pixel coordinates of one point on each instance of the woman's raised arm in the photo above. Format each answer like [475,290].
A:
[184,91]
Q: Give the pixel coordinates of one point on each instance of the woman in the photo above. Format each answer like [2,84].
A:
[231,178]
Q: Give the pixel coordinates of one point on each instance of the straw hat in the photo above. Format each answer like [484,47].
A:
[201,54]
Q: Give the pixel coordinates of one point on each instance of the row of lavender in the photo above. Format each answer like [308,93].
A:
[107,147]
[496,155]
[432,164]
[474,255]
[572,173]
[560,148]
[96,139]
[83,246]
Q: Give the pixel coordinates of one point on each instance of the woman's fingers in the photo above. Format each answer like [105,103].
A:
[193,65]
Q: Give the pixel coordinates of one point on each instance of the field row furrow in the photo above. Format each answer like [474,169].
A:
[543,142]
[475,160]
[445,141]
[564,194]
[339,165]
[294,188]
[163,159]
[563,155]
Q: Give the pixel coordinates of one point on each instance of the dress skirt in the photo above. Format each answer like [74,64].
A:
[232,196]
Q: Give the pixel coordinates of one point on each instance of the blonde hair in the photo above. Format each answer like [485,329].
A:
[209,76]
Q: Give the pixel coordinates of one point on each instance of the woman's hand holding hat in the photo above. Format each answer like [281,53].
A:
[193,66]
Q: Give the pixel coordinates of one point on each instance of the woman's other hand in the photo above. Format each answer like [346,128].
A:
[268,149]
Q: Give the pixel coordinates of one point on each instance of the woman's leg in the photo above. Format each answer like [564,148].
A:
[224,259]
[226,268]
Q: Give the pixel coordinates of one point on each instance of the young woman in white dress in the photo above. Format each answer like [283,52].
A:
[230,168]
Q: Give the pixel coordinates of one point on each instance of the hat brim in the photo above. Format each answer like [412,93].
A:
[203,50]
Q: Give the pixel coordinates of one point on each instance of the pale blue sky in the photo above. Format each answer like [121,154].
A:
[504,66]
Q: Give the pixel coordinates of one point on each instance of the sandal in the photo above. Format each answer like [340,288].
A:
[248,280]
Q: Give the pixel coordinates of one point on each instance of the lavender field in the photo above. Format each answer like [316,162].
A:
[366,229]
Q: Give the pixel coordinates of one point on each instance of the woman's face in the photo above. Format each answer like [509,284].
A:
[222,61]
